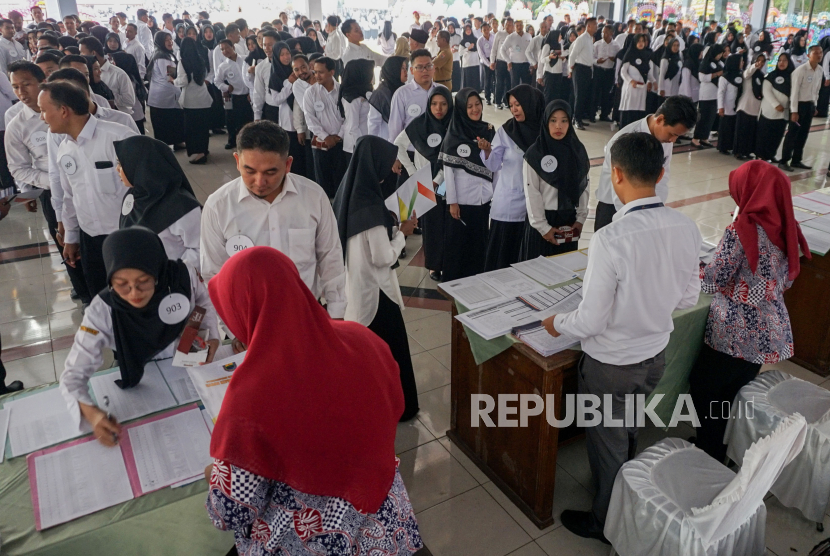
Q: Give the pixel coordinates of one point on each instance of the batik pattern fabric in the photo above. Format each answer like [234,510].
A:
[270,518]
[748,318]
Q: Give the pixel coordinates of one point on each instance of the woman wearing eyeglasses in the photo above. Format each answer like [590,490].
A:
[140,315]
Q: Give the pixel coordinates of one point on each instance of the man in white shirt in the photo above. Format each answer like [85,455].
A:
[115,78]
[115,27]
[498,63]
[410,100]
[335,43]
[534,48]
[20,34]
[230,79]
[581,63]
[620,39]
[485,49]
[641,268]
[674,118]
[268,206]
[417,24]
[233,34]
[37,14]
[10,49]
[167,25]
[605,58]
[355,49]
[513,50]
[70,23]
[806,82]
[133,47]
[92,190]
[326,125]
[145,36]
[301,67]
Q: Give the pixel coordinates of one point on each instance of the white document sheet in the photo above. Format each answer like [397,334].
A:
[179,381]
[823,198]
[821,223]
[171,449]
[818,240]
[575,261]
[41,420]
[545,271]
[810,204]
[510,282]
[547,299]
[542,342]
[473,293]
[4,428]
[148,396]
[803,216]
[78,481]
[223,352]
[211,381]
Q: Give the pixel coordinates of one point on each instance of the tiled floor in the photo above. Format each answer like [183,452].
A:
[460,511]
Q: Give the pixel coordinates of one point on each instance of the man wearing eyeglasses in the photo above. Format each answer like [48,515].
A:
[410,101]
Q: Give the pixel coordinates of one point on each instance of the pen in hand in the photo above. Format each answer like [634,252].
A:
[109,418]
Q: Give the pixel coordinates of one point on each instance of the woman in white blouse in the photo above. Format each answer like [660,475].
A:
[372,241]
[670,66]
[689,83]
[749,107]
[166,113]
[775,109]
[551,62]
[355,91]
[709,73]
[635,75]
[195,99]
[387,39]
[730,88]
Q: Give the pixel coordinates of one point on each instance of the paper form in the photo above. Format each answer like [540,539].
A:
[223,352]
[817,240]
[209,423]
[472,292]
[170,449]
[575,261]
[803,216]
[544,271]
[821,223]
[4,428]
[510,282]
[542,342]
[823,198]
[809,204]
[148,396]
[78,480]
[546,299]
[41,420]
[179,381]
[211,381]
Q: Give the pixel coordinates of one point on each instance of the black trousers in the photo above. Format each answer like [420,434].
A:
[502,81]
[797,133]
[582,78]
[631,116]
[520,74]
[433,225]
[217,109]
[605,213]
[488,83]
[456,76]
[715,381]
[238,116]
[6,179]
[726,133]
[745,129]
[471,77]
[140,125]
[297,152]
[707,111]
[603,97]
[389,326]
[329,169]
[197,130]
[76,274]
[823,101]
[92,262]
[553,84]
[768,137]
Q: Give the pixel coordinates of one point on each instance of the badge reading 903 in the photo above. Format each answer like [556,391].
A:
[174,308]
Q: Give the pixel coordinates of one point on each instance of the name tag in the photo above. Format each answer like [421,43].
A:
[739,80]
[413,110]
[638,61]
[549,163]
[127,204]
[809,79]
[174,308]
[464,151]
[434,140]
[318,106]
[231,74]
[237,243]
[69,165]
[714,65]
[779,80]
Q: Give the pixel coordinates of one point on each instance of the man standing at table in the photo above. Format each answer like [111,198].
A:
[641,268]
[498,63]
[269,206]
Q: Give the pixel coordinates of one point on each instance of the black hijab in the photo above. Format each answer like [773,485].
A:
[355,82]
[468,39]
[390,81]
[692,59]
[192,61]
[307,45]
[178,40]
[639,58]
[797,49]
[426,125]
[209,44]
[570,173]
[117,37]
[368,182]
[279,71]
[673,58]
[734,75]
[160,191]
[758,79]
[462,132]
[552,40]
[387,30]
[127,63]
[533,104]
[780,79]
[140,334]
[763,46]
[98,87]
[161,53]
[256,54]
[709,64]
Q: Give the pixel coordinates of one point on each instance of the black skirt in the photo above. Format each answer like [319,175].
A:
[533,244]
[707,112]
[433,226]
[217,109]
[168,125]
[726,133]
[197,130]
[745,130]
[631,116]
[465,242]
[503,244]
[471,77]
[653,102]
[389,326]
[768,136]
[456,76]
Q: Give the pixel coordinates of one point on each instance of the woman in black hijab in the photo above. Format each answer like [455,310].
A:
[387,39]
[97,84]
[551,50]
[731,87]
[505,155]
[653,98]
[469,187]
[392,77]
[470,62]
[635,74]
[824,93]
[181,33]
[689,83]
[255,55]
[709,72]
[160,197]
[762,46]
[140,316]
[166,113]
[127,63]
[670,65]
[775,109]
[372,239]
[113,43]
[206,43]
[280,71]
[556,178]
[798,53]
[746,122]
[355,85]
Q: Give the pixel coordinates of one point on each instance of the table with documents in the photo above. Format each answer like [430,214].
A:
[499,347]
[63,493]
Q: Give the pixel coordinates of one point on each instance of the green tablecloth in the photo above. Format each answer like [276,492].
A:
[170,521]
[684,345]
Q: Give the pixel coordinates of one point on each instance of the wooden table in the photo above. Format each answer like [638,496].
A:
[521,461]
[808,303]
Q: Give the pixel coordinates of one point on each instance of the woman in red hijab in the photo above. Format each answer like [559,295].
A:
[304,444]
[756,261]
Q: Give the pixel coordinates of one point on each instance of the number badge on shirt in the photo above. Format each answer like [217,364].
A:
[413,110]
[69,165]
[434,140]
[38,138]
[238,243]
[549,163]
[174,308]
[127,204]
[464,151]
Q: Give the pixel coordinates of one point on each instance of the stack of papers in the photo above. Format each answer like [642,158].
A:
[817,240]
[510,282]
[211,381]
[545,271]
[41,420]
[4,428]
[575,261]
[543,343]
[179,381]
[472,292]
[815,202]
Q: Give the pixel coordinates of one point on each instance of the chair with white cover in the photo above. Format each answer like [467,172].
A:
[764,403]
[675,499]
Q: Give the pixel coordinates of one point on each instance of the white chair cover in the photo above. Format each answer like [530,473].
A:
[674,499]
[805,483]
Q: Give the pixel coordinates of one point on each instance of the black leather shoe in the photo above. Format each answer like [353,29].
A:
[786,167]
[583,525]
[579,125]
[228,146]
[741,157]
[15,386]
[435,275]
[73,294]
[403,253]
[801,166]
[218,131]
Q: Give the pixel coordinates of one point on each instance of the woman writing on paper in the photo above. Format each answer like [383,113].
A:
[315,473]
[505,155]
[372,242]
[556,186]
[160,197]
[426,134]
[141,316]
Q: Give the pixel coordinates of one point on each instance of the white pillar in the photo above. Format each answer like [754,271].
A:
[759,12]
[315,9]
[491,8]
[60,8]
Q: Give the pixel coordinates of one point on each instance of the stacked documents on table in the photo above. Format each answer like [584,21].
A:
[211,381]
[546,271]
[541,341]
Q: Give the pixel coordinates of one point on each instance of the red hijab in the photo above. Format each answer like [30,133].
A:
[316,402]
[764,197]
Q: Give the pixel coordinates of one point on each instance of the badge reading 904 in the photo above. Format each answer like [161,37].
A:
[237,244]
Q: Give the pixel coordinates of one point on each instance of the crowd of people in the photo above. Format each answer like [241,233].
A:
[302,241]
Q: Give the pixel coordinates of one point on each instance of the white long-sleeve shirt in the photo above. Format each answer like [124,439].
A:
[26,149]
[498,40]
[96,333]
[485,49]
[669,86]
[633,97]
[513,48]
[806,83]
[336,44]
[232,73]
[408,102]
[369,259]
[748,104]
[541,196]
[641,268]
[466,189]
[404,145]
[181,238]
[300,87]
[505,161]
[145,37]
[355,122]
[534,49]
[581,51]
[10,51]
[321,114]
[263,94]
[727,94]
[299,222]
[708,90]
[7,97]
[606,51]
[772,99]
[135,49]
[361,51]
[121,85]
[689,84]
